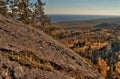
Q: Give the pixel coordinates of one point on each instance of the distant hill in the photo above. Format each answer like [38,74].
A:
[106,25]
[73,25]
[28,53]
[107,20]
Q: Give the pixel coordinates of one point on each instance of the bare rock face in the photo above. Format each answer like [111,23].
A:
[13,70]
[15,36]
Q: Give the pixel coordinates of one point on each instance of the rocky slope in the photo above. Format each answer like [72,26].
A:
[16,36]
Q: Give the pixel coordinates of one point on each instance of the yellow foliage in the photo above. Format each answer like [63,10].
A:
[117,67]
[98,45]
[103,67]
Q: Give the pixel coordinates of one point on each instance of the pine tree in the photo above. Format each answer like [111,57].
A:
[20,10]
[13,5]
[24,10]
[3,7]
[39,13]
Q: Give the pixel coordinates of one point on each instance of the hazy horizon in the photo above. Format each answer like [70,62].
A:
[74,17]
[82,7]
[83,14]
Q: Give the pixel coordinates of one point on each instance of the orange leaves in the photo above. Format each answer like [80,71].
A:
[103,67]
[117,67]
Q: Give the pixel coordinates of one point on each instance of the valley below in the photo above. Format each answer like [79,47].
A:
[97,41]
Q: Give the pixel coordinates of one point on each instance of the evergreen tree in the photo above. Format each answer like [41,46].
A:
[24,10]
[39,13]
[3,7]
[13,4]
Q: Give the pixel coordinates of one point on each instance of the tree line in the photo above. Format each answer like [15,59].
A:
[25,11]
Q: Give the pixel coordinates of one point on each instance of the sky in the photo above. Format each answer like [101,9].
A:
[89,7]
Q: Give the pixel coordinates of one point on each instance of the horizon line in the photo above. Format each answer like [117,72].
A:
[82,14]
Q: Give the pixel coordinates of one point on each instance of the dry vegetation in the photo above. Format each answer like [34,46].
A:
[29,59]
[99,45]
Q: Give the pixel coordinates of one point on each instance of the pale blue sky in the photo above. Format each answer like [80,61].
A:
[98,7]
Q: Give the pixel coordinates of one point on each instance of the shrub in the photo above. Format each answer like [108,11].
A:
[29,59]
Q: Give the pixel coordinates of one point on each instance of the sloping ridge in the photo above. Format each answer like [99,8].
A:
[106,25]
[16,36]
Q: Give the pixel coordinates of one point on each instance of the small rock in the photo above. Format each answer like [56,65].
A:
[18,72]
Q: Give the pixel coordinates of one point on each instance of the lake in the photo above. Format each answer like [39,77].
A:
[63,18]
